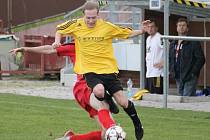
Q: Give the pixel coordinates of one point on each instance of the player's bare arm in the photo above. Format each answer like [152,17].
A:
[16,50]
[46,49]
[141,31]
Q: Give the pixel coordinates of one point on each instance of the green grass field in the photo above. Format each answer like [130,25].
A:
[35,118]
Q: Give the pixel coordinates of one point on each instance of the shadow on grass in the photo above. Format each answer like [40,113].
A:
[208,118]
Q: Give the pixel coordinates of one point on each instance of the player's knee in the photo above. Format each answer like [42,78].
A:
[121,99]
[98,90]
[124,103]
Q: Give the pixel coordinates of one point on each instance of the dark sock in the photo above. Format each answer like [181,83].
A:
[131,111]
[112,106]
[107,96]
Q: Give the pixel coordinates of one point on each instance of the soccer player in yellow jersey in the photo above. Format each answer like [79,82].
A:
[95,56]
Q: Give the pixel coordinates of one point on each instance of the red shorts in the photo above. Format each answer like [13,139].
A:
[82,95]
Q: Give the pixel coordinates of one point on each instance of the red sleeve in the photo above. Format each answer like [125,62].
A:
[67,50]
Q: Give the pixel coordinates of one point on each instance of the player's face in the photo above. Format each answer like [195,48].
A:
[182,28]
[91,17]
[152,29]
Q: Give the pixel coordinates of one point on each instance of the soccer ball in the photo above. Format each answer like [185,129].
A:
[115,133]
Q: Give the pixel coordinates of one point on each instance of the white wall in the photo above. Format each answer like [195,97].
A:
[127,55]
[7,60]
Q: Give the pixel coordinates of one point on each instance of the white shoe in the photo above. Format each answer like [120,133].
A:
[63,138]
[67,135]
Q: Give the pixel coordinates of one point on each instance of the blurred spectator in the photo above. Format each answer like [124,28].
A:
[186,60]
[154,60]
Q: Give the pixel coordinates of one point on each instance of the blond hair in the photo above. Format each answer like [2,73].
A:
[90,5]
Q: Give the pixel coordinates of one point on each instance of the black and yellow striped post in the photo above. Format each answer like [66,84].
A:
[102,3]
[191,3]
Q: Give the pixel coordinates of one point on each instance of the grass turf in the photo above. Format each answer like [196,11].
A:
[35,118]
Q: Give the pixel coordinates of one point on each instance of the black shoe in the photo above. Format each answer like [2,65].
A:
[139,132]
[112,106]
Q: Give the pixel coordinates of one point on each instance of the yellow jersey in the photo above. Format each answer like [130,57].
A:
[94,51]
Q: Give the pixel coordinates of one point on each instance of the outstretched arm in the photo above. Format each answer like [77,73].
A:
[136,33]
[46,49]
[141,31]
